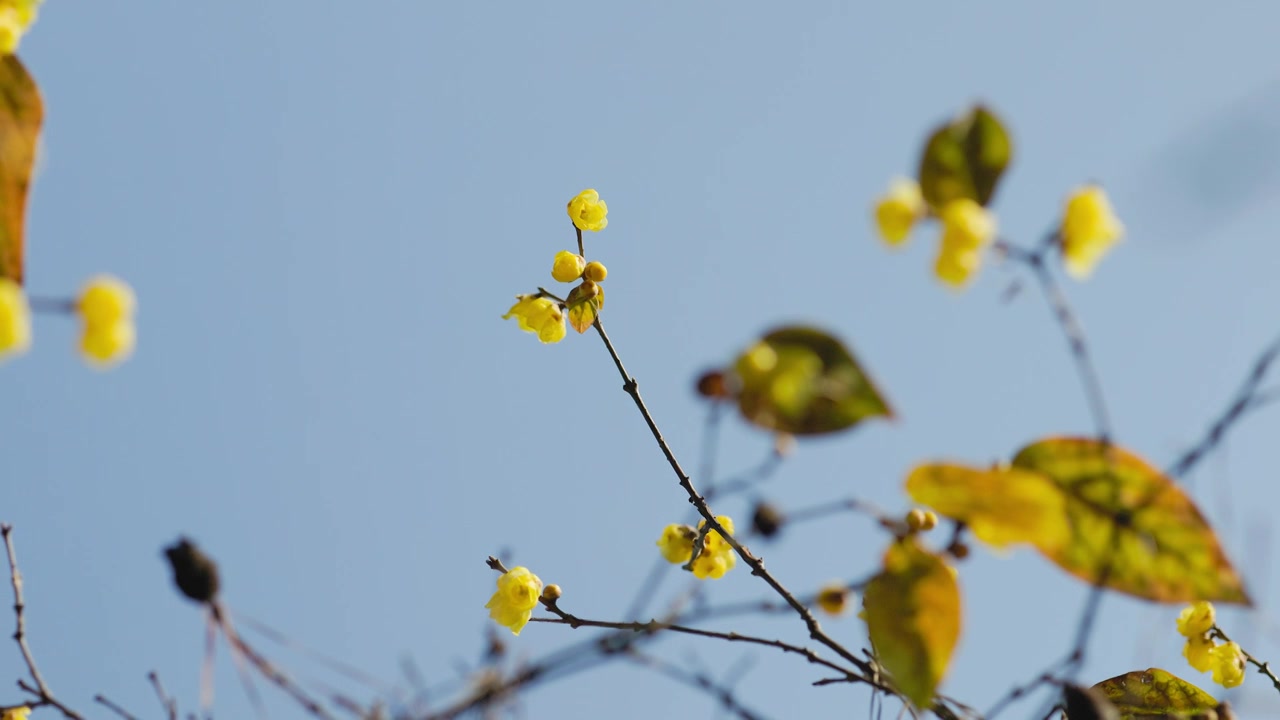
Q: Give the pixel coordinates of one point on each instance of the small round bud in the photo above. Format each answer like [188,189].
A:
[958,550]
[713,385]
[930,520]
[585,291]
[595,271]
[767,520]
[915,519]
[833,599]
[567,266]
[195,573]
[551,593]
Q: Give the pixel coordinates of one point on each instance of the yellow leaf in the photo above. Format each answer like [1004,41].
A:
[965,159]
[1001,505]
[21,114]
[913,618]
[802,381]
[583,305]
[1154,694]
[1131,527]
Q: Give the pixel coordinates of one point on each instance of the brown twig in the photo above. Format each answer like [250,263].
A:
[696,680]
[273,674]
[44,696]
[169,704]
[105,702]
[631,387]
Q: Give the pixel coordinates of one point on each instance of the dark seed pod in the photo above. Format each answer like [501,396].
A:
[767,520]
[195,573]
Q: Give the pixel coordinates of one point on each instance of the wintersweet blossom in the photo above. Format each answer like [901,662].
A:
[106,305]
[1196,618]
[595,271]
[588,211]
[512,604]
[568,266]
[16,17]
[22,712]
[1197,650]
[15,319]
[833,599]
[539,315]
[717,557]
[1228,664]
[676,543]
[897,211]
[967,228]
[1089,229]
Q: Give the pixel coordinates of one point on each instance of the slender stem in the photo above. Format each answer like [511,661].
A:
[756,564]
[52,305]
[108,704]
[699,681]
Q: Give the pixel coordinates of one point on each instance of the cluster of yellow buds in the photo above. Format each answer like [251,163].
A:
[717,556]
[106,308]
[16,17]
[1203,652]
[544,314]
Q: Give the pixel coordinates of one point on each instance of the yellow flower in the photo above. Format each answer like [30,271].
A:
[956,266]
[1196,619]
[15,319]
[1197,650]
[967,225]
[717,556]
[107,305]
[17,713]
[834,599]
[16,17]
[539,315]
[588,211]
[517,595]
[1089,229]
[676,543]
[107,345]
[595,271]
[1228,664]
[568,266]
[897,211]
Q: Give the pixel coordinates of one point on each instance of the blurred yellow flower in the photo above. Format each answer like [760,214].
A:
[676,543]
[1228,664]
[517,595]
[833,599]
[956,266]
[22,712]
[1089,229]
[588,211]
[107,304]
[1197,650]
[16,17]
[15,319]
[568,266]
[717,557]
[967,225]
[539,315]
[1196,618]
[897,211]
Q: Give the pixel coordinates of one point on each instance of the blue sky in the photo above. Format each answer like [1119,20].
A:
[325,211]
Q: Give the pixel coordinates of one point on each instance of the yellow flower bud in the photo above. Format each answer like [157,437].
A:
[717,556]
[1089,229]
[539,315]
[1228,664]
[16,17]
[676,543]
[106,345]
[106,300]
[833,599]
[595,271]
[1196,651]
[567,266]
[551,593]
[967,225]
[588,211]
[512,605]
[898,210]
[955,266]
[22,712]
[15,319]
[1196,618]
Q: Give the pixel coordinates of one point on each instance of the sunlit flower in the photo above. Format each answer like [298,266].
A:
[107,345]
[955,266]
[595,271]
[106,305]
[568,266]
[1228,664]
[15,319]
[588,211]
[676,543]
[517,595]
[967,225]
[22,712]
[833,599]
[1196,618]
[1089,229]
[1197,650]
[16,17]
[717,557]
[897,211]
[539,315]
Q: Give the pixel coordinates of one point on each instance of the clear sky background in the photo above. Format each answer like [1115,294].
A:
[326,207]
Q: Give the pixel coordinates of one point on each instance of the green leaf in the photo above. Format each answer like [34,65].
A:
[913,618]
[21,114]
[803,381]
[1131,527]
[583,306]
[1001,506]
[1154,694]
[965,159]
